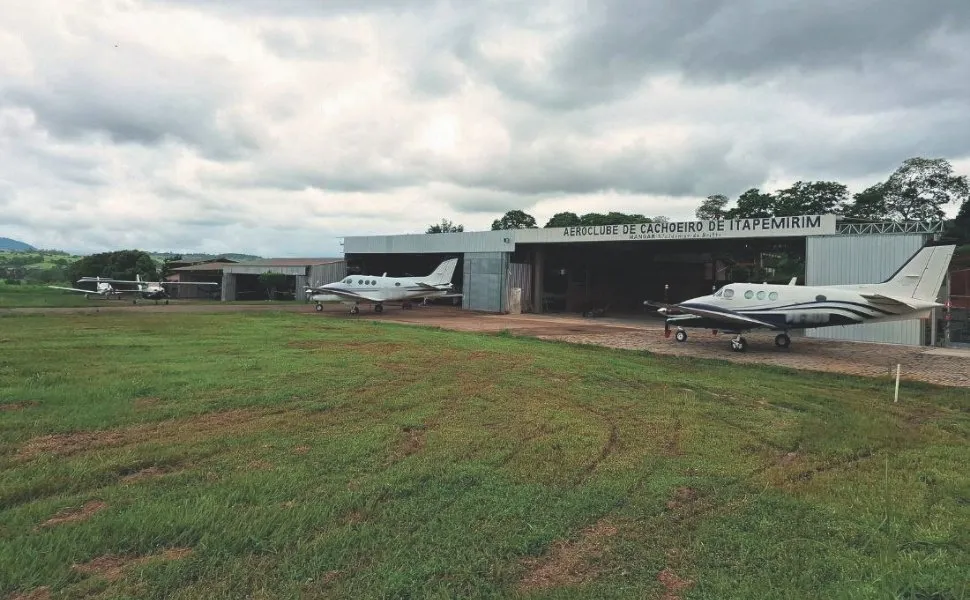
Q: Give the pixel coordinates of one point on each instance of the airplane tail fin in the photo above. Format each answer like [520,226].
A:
[443,274]
[922,276]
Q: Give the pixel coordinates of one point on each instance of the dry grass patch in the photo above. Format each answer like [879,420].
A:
[12,406]
[569,562]
[147,473]
[673,584]
[66,444]
[41,593]
[75,514]
[113,567]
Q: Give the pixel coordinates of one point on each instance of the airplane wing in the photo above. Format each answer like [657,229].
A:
[57,287]
[728,317]
[342,294]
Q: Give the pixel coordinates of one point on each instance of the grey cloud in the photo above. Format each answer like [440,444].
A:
[304,8]
[620,42]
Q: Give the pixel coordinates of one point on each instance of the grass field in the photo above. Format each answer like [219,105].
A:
[40,296]
[278,455]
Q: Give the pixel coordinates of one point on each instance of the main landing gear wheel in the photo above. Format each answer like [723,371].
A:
[681,335]
[739,344]
[318,307]
[378,308]
[782,340]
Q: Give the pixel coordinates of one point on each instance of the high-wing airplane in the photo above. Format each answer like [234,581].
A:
[103,289]
[741,307]
[371,289]
[149,290]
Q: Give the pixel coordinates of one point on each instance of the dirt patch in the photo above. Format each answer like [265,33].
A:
[112,567]
[65,444]
[260,465]
[147,473]
[674,584]
[41,593]
[74,514]
[569,562]
[683,497]
[789,458]
[12,406]
[301,450]
[412,443]
[354,518]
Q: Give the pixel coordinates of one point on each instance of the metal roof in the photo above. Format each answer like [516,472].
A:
[288,262]
[211,266]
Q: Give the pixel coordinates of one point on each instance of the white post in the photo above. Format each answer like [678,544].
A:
[897,383]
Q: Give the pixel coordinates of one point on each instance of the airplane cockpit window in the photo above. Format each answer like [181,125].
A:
[820,298]
[761,295]
[729,294]
[349,280]
[398,284]
[719,293]
[749,294]
[773,296]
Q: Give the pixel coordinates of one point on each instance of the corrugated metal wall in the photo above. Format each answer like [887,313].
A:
[299,291]
[228,286]
[520,276]
[329,273]
[439,243]
[846,259]
[483,281]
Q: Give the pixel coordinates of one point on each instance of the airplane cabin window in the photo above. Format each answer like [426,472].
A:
[360,282]
[398,284]
[749,294]
[773,296]
[761,295]
[729,293]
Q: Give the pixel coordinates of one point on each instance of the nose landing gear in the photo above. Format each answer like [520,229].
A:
[782,340]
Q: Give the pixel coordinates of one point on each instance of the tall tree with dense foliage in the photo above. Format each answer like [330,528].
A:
[445,226]
[869,204]
[811,198]
[564,219]
[920,189]
[753,204]
[122,264]
[713,208]
[514,219]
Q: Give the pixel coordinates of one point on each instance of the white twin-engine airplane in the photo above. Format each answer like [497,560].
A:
[737,308]
[149,290]
[370,289]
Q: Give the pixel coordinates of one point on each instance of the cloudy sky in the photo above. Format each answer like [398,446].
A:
[277,126]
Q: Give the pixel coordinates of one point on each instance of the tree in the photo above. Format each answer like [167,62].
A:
[515,219]
[445,226]
[811,198]
[920,188]
[959,229]
[869,204]
[167,265]
[564,219]
[271,282]
[660,219]
[753,204]
[713,207]
[122,264]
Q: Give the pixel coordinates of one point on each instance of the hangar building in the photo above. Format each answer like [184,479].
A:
[617,267]
[240,280]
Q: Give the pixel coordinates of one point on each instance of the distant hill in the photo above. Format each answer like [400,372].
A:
[189,257]
[15,245]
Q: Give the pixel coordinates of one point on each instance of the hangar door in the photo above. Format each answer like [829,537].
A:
[483,281]
[846,259]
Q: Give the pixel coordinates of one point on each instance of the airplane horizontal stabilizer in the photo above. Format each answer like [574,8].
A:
[883,299]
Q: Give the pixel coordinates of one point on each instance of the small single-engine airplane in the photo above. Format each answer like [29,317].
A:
[103,289]
[737,308]
[370,289]
[149,290]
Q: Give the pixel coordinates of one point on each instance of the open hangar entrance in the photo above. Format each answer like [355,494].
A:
[619,275]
